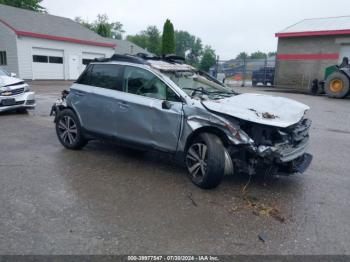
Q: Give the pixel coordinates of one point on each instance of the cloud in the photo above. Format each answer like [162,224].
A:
[229,26]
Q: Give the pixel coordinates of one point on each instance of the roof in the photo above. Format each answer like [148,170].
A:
[127,47]
[318,27]
[40,25]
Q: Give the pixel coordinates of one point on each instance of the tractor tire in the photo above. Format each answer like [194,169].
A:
[337,85]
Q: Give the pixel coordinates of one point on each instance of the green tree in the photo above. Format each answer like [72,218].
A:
[208,59]
[168,38]
[188,46]
[103,26]
[33,5]
[242,55]
[149,39]
[154,40]
[195,52]
[258,55]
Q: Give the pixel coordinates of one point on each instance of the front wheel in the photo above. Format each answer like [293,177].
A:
[205,161]
[69,131]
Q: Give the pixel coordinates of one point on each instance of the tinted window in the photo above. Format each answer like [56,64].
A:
[86,61]
[142,82]
[106,76]
[40,59]
[84,78]
[56,60]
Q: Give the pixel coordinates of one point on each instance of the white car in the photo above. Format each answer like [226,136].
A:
[15,94]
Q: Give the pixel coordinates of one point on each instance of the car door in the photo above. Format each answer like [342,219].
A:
[107,83]
[81,99]
[145,119]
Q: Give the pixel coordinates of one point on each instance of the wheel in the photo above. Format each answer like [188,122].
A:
[205,161]
[69,131]
[337,85]
[254,84]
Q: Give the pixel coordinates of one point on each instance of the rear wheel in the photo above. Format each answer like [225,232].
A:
[205,161]
[337,85]
[69,131]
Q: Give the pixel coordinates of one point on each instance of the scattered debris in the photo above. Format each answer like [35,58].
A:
[251,109]
[268,115]
[192,200]
[262,237]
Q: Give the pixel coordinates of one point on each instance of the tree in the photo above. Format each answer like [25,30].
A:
[195,52]
[149,39]
[188,46]
[258,55]
[103,26]
[168,38]
[33,5]
[208,59]
[153,38]
[242,55]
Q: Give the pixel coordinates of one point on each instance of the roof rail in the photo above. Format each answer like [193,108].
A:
[122,58]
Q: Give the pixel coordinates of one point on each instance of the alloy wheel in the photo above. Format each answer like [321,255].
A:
[68,130]
[196,160]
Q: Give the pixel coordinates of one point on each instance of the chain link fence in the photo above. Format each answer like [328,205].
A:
[245,72]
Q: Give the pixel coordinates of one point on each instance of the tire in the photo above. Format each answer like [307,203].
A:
[254,84]
[205,161]
[69,131]
[337,85]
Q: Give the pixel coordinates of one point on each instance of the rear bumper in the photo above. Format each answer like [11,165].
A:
[24,100]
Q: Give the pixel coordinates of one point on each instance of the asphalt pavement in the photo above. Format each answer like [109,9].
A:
[106,199]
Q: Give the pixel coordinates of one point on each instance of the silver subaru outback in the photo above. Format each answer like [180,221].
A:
[164,104]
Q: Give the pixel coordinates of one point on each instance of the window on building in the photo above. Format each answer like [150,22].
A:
[56,60]
[3,58]
[40,59]
[86,61]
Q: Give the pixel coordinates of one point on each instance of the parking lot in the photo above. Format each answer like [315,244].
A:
[107,199]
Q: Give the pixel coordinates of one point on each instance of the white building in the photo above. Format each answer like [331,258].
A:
[42,46]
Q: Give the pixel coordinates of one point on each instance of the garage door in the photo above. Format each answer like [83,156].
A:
[88,57]
[47,63]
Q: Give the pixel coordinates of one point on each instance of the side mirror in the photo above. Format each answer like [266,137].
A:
[12,74]
[166,104]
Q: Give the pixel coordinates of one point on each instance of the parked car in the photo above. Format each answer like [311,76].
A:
[15,94]
[166,105]
[265,76]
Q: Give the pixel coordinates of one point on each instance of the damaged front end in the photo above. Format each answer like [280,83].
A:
[59,105]
[274,150]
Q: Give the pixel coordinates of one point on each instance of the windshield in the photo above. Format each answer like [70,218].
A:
[3,72]
[196,84]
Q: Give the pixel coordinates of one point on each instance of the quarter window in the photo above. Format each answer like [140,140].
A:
[3,58]
[105,76]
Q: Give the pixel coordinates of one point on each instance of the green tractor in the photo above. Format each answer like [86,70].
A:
[337,81]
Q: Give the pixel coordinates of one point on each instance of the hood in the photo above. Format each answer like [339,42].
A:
[261,109]
[8,80]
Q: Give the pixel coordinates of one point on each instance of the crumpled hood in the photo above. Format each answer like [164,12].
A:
[7,80]
[262,109]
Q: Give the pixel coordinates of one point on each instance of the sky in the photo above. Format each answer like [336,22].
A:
[229,26]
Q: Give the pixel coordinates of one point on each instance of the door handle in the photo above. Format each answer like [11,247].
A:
[123,105]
